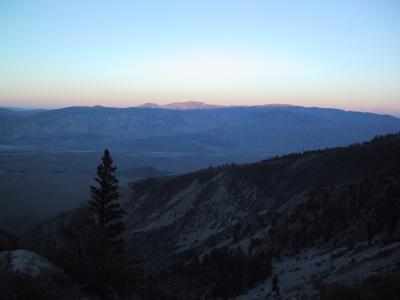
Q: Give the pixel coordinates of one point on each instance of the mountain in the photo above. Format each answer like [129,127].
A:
[150,105]
[267,130]
[181,105]
[317,222]
[190,105]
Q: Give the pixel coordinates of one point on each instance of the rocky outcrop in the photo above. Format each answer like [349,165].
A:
[26,262]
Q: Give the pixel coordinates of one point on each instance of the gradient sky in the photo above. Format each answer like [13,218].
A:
[343,54]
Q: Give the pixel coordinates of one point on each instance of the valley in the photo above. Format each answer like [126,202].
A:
[46,183]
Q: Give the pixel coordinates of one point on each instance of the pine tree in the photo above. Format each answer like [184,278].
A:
[104,203]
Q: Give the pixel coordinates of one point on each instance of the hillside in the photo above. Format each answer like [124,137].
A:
[269,130]
[316,219]
[316,204]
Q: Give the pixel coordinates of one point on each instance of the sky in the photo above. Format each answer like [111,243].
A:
[342,53]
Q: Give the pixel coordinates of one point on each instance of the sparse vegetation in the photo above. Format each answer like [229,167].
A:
[351,202]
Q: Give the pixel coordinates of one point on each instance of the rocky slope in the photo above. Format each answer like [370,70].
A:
[312,219]
[26,262]
[310,211]
[221,197]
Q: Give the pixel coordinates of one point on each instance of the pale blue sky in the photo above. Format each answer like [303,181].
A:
[122,53]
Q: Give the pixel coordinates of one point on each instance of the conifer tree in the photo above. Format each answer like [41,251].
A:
[104,203]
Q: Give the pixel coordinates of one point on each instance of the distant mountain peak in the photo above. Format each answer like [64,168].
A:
[181,105]
[190,105]
[276,105]
[149,105]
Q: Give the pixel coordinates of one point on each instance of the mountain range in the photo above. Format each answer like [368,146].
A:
[192,127]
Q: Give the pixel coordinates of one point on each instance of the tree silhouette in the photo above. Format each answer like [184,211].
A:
[104,203]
